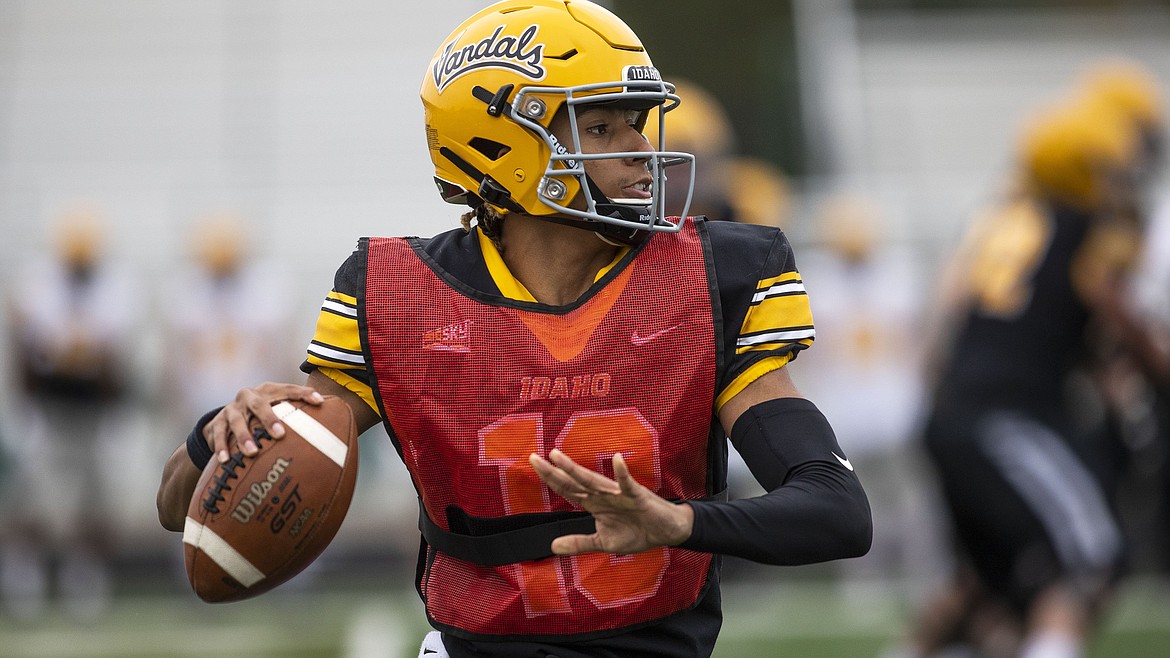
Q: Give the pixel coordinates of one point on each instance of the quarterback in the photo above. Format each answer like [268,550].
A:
[561,374]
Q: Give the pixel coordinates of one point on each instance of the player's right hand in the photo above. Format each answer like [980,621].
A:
[231,427]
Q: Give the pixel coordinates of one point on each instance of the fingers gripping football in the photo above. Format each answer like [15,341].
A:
[232,428]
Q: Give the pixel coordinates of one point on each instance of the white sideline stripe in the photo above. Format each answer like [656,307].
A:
[315,433]
[221,552]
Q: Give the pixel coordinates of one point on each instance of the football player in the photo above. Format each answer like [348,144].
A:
[560,375]
[73,314]
[1041,273]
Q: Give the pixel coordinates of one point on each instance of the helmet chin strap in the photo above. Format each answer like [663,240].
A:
[629,213]
[609,233]
[612,233]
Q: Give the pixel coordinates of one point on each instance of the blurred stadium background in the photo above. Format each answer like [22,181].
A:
[302,118]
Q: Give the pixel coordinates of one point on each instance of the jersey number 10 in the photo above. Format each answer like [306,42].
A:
[590,439]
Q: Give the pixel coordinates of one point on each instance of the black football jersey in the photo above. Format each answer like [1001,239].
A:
[1026,320]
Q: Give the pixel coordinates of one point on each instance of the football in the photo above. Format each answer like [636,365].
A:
[255,522]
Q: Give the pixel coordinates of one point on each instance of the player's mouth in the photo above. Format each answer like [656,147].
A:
[639,191]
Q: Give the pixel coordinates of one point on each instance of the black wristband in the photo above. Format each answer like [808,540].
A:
[197,448]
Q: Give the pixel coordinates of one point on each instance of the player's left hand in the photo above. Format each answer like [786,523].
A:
[629,517]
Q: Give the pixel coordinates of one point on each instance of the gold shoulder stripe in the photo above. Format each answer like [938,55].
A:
[774,313]
[751,374]
[338,332]
[338,308]
[353,384]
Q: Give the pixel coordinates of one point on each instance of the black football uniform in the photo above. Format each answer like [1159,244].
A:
[1026,507]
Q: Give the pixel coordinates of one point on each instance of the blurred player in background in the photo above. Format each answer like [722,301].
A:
[73,316]
[727,185]
[231,328]
[700,127]
[561,374]
[757,192]
[1038,293]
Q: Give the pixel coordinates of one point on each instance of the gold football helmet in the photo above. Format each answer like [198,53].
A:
[79,237]
[1129,87]
[1082,154]
[220,243]
[493,88]
[700,126]
[1132,90]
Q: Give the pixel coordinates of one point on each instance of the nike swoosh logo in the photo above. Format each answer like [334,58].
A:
[642,340]
[844,462]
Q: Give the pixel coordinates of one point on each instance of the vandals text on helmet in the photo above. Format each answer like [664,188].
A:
[515,53]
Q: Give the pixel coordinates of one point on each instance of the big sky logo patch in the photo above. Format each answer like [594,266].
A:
[503,51]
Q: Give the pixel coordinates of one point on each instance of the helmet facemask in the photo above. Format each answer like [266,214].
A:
[567,163]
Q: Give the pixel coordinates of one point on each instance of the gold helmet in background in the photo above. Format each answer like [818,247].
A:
[1129,87]
[1082,154]
[758,192]
[849,225]
[79,237]
[1132,90]
[700,125]
[220,243]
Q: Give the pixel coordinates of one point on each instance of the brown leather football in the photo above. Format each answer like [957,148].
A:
[255,522]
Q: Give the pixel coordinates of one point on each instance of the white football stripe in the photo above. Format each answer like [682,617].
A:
[221,552]
[334,354]
[315,433]
[783,287]
[776,336]
[339,308]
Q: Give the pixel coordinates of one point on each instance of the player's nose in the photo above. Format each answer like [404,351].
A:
[636,142]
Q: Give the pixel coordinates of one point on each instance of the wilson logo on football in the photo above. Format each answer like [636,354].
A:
[258,492]
[513,53]
[451,338]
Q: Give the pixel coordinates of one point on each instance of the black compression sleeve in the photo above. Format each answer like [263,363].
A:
[815,508]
